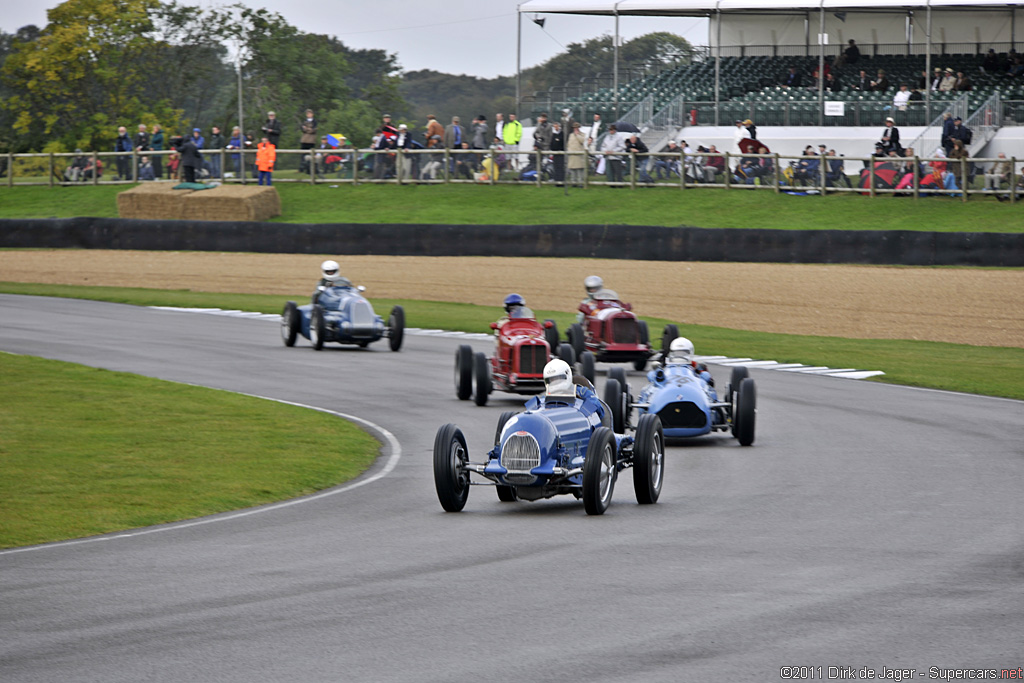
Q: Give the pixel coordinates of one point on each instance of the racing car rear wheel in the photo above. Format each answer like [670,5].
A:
[645,334]
[616,400]
[317,327]
[587,368]
[481,379]
[648,459]
[464,372]
[396,328]
[667,335]
[566,353]
[506,494]
[745,412]
[451,479]
[551,334]
[575,337]
[739,373]
[599,471]
[290,323]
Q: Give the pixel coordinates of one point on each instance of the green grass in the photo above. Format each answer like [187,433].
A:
[994,371]
[529,205]
[86,451]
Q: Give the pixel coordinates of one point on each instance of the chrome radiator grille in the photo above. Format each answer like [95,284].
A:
[625,331]
[532,359]
[520,453]
[362,314]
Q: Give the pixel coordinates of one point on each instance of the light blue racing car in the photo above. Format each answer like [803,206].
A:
[563,443]
[339,313]
[682,394]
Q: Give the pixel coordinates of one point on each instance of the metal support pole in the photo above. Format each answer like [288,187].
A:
[917,177]
[615,65]
[51,169]
[778,190]
[821,65]
[928,65]
[1013,180]
[519,57]
[718,61]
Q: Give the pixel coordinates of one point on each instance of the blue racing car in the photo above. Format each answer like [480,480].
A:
[339,313]
[563,443]
[682,394]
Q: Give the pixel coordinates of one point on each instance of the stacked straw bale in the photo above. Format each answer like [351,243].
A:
[222,203]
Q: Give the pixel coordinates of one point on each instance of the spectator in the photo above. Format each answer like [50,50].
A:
[272,129]
[738,135]
[915,96]
[960,132]
[435,132]
[814,75]
[465,164]
[454,135]
[512,133]
[763,166]
[635,146]
[191,157]
[612,148]
[835,174]
[998,174]
[236,144]
[76,171]
[822,151]
[936,79]
[595,130]
[215,144]
[499,124]
[198,139]
[384,159]
[141,140]
[832,84]
[862,83]
[156,144]
[669,161]
[806,170]
[891,137]
[576,145]
[124,162]
[173,163]
[542,134]
[948,82]
[947,130]
[715,164]
[146,169]
[567,120]
[307,141]
[991,63]
[1016,68]
[478,132]
[922,81]
[880,83]
[558,145]
[792,79]
[404,141]
[901,98]
[266,155]
[751,129]
[963,83]
[851,55]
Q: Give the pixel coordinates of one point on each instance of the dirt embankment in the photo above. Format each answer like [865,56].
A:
[970,306]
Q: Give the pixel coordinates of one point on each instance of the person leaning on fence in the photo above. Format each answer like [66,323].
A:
[612,147]
[156,143]
[668,160]
[637,150]
[266,155]
[576,145]
[124,162]
[190,157]
[511,134]
[308,140]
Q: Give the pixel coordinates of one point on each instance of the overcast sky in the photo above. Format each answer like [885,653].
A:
[474,37]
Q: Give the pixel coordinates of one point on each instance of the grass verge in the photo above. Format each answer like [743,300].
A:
[529,205]
[993,371]
[85,451]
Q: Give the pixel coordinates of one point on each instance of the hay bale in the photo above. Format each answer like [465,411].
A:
[152,200]
[232,203]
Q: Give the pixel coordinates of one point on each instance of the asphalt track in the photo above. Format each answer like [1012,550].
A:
[868,526]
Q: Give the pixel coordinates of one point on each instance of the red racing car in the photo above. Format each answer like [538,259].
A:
[612,332]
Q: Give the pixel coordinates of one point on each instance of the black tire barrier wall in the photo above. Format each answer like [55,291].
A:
[645,243]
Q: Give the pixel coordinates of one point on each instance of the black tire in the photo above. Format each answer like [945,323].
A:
[289,323]
[317,327]
[551,335]
[587,366]
[667,335]
[746,412]
[619,374]
[640,364]
[645,333]
[599,471]
[566,353]
[481,379]
[739,373]
[615,399]
[576,337]
[506,494]
[648,459]
[464,372]
[396,328]
[451,479]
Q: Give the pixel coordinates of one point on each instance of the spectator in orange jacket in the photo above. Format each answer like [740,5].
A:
[266,155]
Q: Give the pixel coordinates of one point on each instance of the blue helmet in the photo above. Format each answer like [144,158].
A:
[513,300]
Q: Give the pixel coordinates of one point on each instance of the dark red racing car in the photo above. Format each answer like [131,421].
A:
[612,332]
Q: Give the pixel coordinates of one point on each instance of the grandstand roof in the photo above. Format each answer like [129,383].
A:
[701,8]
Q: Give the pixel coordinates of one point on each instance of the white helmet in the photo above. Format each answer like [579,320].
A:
[680,350]
[558,379]
[329,270]
[593,283]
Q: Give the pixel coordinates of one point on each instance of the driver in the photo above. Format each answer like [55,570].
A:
[593,284]
[515,307]
[330,276]
[561,383]
[680,352]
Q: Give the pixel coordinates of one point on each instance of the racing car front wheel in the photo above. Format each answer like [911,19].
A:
[667,335]
[481,379]
[648,459]
[615,398]
[587,366]
[317,327]
[464,372]
[599,471]
[396,328]
[551,334]
[290,323]
[451,479]
[574,335]
[739,373]
[566,353]
[745,412]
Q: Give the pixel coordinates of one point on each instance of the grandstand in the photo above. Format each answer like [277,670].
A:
[739,76]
